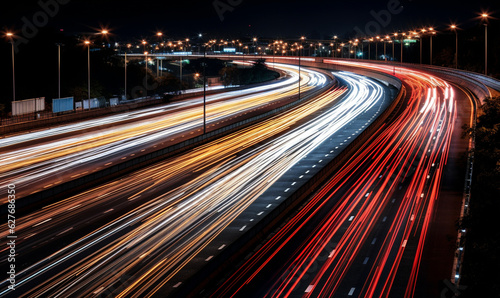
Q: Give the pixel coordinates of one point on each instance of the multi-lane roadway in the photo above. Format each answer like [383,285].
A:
[39,160]
[132,236]
[364,232]
[361,234]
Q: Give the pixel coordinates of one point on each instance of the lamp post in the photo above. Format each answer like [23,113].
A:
[454,28]
[88,66]
[421,41]
[204,91]
[485,18]
[125,64]
[432,32]
[299,74]
[376,48]
[128,47]
[10,35]
[356,48]
[387,38]
[160,41]
[59,70]
[333,48]
[393,46]
[402,45]
[369,48]
[146,73]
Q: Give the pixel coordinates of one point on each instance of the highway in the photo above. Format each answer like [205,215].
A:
[131,236]
[39,160]
[363,233]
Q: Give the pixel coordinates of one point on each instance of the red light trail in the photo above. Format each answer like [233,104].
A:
[393,179]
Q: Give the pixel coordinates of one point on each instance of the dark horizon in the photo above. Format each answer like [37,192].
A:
[239,18]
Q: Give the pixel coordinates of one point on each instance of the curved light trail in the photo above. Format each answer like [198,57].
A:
[149,227]
[47,163]
[381,201]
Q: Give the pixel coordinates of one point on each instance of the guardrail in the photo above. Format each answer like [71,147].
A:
[459,252]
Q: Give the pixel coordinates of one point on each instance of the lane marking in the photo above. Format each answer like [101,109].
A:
[309,288]
[351,291]
[40,223]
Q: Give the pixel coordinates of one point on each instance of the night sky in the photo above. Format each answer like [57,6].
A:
[315,19]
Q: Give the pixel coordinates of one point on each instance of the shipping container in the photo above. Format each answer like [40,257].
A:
[28,106]
[62,104]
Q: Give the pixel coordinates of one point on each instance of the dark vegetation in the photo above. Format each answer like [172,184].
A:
[481,268]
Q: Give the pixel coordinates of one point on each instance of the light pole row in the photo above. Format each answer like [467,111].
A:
[431,33]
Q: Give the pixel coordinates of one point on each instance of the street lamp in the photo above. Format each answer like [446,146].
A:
[125,92]
[402,45]
[394,55]
[454,28]
[387,38]
[333,47]
[431,32]
[369,48]
[421,43]
[160,40]
[59,69]
[299,72]
[485,18]
[10,35]
[204,90]
[146,74]
[87,42]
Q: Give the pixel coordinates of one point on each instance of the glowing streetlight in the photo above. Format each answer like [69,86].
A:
[10,36]
[431,32]
[454,28]
[59,69]
[87,43]
[485,19]
[146,74]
